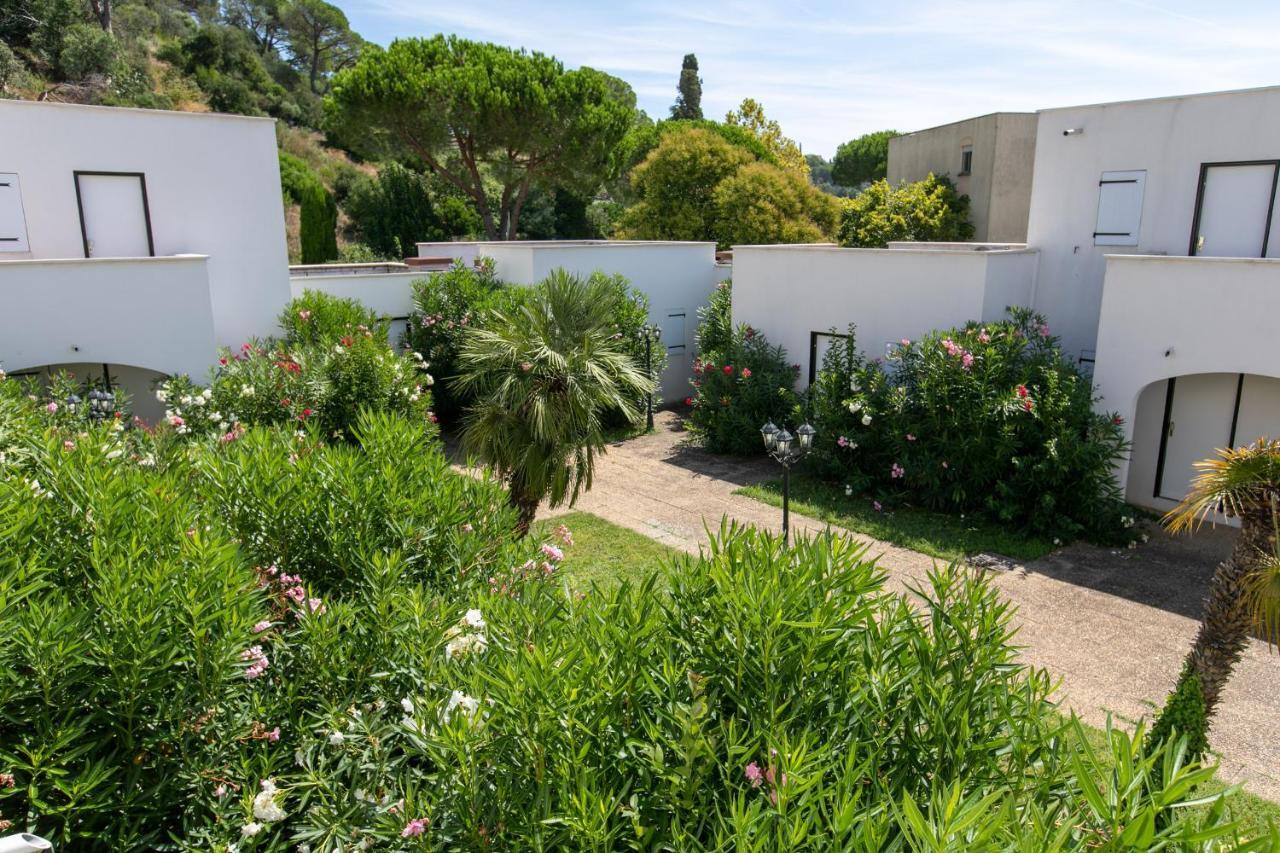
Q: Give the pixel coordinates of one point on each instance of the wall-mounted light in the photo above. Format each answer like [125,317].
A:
[1073,131]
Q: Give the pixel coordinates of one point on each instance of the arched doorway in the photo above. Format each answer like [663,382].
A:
[137,382]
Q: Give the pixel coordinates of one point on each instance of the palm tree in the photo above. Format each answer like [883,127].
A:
[544,376]
[1244,595]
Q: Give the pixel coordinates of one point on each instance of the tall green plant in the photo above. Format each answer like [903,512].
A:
[544,377]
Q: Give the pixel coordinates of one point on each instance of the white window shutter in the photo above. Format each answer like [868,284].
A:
[1119,208]
[13,224]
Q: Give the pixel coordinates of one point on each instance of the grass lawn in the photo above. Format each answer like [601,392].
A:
[947,537]
[606,554]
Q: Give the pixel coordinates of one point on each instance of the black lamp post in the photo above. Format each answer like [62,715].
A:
[787,449]
[101,405]
[649,331]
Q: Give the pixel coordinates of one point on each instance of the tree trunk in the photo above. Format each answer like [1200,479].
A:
[1226,625]
[526,509]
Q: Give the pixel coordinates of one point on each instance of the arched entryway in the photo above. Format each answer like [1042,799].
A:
[137,382]
[1184,419]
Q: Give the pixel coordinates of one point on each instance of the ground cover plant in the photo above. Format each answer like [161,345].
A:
[600,553]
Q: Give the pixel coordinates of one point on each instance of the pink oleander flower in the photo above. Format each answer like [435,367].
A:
[842,442]
[1043,330]
[415,827]
[906,342]
[910,437]
[688,401]
[1023,392]
[274,734]
[526,366]
[220,791]
[564,535]
[1027,405]
[746,373]
[876,506]
[967,360]
[51,408]
[945,464]
[728,370]
[896,471]
[304,315]
[316,606]
[68,445]
[753,774]
[552,552]
[1117,420]
[983,337]
[264,625]
[467,528]
[7,780]
[297,593]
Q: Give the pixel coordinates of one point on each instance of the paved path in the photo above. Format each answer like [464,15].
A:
[1113,625]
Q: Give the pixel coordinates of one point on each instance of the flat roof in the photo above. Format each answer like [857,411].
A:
[962,121]
[58,105]
[1257,90]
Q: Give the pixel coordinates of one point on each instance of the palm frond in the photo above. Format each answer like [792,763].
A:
[1232,482]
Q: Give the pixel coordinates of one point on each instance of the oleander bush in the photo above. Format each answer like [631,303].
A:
[737,389]
[987,418]
[333,361]
[268,644]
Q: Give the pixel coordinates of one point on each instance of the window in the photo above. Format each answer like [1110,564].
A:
[13,224]
[1119,208]
[966,159]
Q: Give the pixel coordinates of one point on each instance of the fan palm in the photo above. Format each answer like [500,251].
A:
[1244,595]
[544,376]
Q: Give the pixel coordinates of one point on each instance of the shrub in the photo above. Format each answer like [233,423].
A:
[169,669]
[395,210]
[444,306]
[87,51]
[985,418]
[928,210]
[318,211]
[737,390]
[715,321]
[316,318]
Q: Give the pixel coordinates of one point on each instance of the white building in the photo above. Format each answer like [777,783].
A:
[135,242]
[1150,238]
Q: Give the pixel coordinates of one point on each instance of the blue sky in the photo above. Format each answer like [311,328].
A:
[828,71]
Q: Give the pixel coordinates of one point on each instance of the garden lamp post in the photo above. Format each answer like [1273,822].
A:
[649,331]
[787,450]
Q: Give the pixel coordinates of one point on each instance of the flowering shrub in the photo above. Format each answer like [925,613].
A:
[987,418]
[324,386]
[737,390]
[444,305]
[160,680]
[316,318]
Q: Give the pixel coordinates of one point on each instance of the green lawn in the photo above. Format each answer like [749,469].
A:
[606,554]
[947,537]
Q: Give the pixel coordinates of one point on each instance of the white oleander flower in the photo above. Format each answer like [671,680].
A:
[460,701]
[336,738]
[249,830]
[465,644]
[407,704]
[473,619]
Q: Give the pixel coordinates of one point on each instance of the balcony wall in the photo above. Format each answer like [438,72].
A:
[153,313]
[787,292]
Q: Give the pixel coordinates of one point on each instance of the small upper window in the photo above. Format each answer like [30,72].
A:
[13,225]
[966,159]
[1119,208]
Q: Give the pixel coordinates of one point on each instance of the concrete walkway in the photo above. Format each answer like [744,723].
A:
[1112,625]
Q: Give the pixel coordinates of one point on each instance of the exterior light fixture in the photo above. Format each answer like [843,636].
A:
[787,450]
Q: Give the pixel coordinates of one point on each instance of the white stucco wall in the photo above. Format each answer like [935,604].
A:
[151,313]
[789,291]
[388,294]
[1178,316]
[678,277]
[1169,138]
[213,188]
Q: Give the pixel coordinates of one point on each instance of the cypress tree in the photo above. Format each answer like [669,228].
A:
[689,100]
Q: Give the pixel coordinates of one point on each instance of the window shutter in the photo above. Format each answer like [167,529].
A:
[13,225]
[1119,208]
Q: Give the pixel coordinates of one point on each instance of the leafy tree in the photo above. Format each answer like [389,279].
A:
[750,116]
[320,39]
[318,211]
[545,377]
[262,19]
[820,175]
[676,186]
[863,159]
[87,51]
[689,98]
[395,210]
[473,113]
[761,203]
[928,210]
[1244,595]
